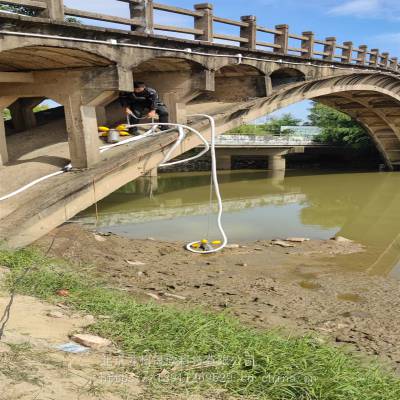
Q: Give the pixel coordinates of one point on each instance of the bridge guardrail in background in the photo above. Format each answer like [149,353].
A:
[279,40]
[261,140]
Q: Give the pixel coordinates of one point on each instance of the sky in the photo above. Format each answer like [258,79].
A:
[375,23]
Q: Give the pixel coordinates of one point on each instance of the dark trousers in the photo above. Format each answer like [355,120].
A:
[163,115]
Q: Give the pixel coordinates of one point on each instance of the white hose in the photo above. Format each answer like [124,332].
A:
[164,163]
[35,182]
[174,147]
[214,174]
[179,140]
[103,149]
[107,147]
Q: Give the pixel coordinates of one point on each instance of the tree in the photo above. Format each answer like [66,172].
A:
[338,128]
[274,125]
[271,127]
[248,129]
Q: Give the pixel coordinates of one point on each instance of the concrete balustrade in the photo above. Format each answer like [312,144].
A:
[204,22]
[54,10]
[141,18]
[249,32]
[143,11]
[97,80]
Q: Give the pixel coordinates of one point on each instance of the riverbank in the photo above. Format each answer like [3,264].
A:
[160,351]
[300,289]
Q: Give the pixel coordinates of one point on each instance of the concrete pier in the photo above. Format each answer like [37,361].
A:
[23,117]
[224,162]
[148,183]
[277,162]
[3,143]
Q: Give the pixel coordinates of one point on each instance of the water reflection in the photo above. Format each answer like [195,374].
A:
[361,206]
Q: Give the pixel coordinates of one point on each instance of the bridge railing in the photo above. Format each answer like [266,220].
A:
[37,6]
[142,16]
[263,140]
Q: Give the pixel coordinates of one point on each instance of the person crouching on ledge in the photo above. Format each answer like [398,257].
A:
[144,102]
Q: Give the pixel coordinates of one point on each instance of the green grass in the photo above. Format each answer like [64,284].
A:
[262,365]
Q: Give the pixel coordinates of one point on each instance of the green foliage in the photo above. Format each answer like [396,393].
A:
[245,361]
[274,125]
[40,107]
[73,20]
[338,128]
[18,9]
[32,13]
[249,129]
[6,114]
[271,127]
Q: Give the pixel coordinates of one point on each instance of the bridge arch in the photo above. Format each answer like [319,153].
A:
[371,99]
[77,78]
[285,76]
[234,82]
[178,75]
[38,58]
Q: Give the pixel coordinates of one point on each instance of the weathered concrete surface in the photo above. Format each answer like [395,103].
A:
[74,192]
[86,76]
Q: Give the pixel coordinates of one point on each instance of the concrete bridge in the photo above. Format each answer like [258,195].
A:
[274,148]
[83,67]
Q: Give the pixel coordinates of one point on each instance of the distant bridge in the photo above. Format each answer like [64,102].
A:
[274,148]
[265,141]
[83,67]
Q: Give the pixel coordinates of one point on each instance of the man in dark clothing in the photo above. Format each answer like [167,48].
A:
[144,102]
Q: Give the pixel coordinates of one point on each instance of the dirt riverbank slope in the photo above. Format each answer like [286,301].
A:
[299,289]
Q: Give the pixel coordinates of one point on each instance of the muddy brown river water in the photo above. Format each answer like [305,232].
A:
[362,206]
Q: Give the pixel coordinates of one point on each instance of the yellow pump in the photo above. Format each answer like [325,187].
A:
[205,245]
[122,129]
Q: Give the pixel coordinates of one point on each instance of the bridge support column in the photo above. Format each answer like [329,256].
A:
[177,111]
[101,115]
[23,117]
[276,162]
[148,183]
[3,142]
[83,135]
[277,177]
[224,162]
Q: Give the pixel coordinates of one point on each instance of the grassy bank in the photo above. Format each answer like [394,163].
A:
[191,350]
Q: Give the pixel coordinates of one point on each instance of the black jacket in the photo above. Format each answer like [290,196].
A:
[147,99]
